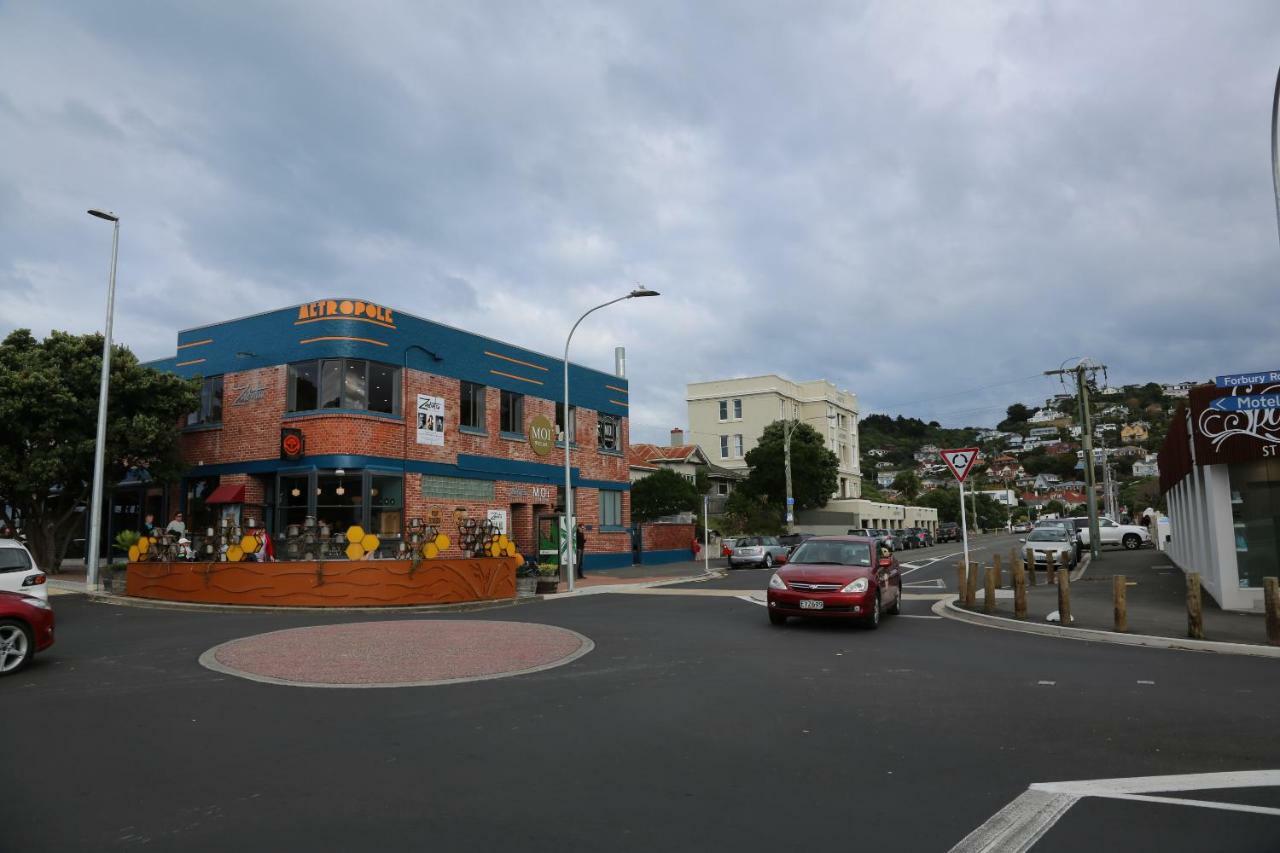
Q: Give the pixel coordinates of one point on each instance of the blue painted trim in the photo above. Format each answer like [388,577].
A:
[311,413]
[606,560]
[657,558]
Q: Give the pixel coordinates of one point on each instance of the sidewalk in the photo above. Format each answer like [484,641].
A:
[632,575]
[1156,593]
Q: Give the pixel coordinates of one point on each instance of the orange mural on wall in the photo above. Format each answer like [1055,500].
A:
[340,583]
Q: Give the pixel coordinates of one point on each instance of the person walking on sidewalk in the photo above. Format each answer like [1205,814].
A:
[580,543]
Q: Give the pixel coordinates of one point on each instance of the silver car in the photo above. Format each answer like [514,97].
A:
[1053,539]
[764,551]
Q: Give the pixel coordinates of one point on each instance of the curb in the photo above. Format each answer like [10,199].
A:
[947,608]
[157,604]
[626,587]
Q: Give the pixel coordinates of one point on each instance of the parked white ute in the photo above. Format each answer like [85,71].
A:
[18,572]
[1127,536]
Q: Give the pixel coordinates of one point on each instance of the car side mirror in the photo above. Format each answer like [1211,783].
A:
[1022,540]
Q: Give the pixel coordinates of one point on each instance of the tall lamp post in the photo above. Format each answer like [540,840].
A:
[568,475]
[100,446]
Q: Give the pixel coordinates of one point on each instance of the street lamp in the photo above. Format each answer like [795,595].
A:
[568,477]
[100,446]
[786,455]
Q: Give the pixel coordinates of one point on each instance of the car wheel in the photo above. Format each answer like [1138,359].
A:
[873,621]
[1131,541]
[16,646]
[768,561]
[776,618]
[897,603]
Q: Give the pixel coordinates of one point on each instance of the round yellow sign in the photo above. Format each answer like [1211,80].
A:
[542,435]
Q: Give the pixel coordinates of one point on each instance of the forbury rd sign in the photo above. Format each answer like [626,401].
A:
[1246,403]
[1235,380]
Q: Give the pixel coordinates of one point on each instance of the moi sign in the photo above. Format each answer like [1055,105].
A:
[542,435]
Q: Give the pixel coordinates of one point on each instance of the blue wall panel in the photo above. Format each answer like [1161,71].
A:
[658,558]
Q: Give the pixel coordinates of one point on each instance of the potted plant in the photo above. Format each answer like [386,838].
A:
[124,542]
[527,579]
[548,578]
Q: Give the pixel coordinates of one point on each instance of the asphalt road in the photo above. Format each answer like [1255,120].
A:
[693,725]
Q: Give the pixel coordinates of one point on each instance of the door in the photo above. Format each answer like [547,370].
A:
[1108,532]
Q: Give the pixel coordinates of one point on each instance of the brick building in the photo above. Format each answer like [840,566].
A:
[399,418]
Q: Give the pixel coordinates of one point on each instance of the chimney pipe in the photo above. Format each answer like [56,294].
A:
[620,362]
[677,437]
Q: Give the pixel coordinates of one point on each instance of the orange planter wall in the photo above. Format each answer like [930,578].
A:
[339,583]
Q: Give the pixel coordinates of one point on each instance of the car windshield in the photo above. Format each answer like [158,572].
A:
[833,553]
[14,560]
[1048,534]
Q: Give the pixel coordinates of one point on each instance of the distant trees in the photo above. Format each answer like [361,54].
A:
[1015,416]
[908,484]
[663,493]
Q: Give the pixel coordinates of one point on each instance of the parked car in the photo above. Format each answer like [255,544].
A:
[26,627]
[1128,536]
[888,538]
[1071,525]
[948,531]
[907,539]
[1054,539]
[18,572]
[919,537]
[765,551]
[1021,527]
[837,577]
[791,540]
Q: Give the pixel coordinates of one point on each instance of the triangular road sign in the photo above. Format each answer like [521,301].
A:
[960,461]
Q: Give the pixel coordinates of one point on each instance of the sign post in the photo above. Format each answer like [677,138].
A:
[961,463]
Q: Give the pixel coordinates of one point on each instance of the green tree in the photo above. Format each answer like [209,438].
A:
[1015,415]
[945,500]
[748,512]
[908,484]
[1054,507]
[663,492]
[814,468]
[48,423]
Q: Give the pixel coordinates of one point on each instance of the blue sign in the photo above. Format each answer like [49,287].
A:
[1248,403]
[1234,380]
[790,501]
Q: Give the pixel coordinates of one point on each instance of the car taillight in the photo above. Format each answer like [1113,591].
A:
[33,580]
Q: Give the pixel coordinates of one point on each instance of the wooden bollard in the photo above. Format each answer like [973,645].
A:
[962,582]
[1271,596]
[1195,616]
[1031,566]
[995,564]
[1064,598]
[1121,605]
[989,590]
[1050,568]
[971,586]
[1019,590]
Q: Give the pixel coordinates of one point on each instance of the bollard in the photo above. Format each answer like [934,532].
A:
[989,590]
[1271,596]
[1031,565]
[962,582]
[1019,590]
[1064,598]
[971,586]
[995,563]
[1195,616]
[1050,568]
[1121,605]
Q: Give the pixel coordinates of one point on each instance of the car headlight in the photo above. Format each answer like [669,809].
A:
[776,582]
[859,585]
[37,602]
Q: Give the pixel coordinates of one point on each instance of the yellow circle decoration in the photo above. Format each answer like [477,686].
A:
[442,542]
[369,542]
[249,544]
[346,307]
[354,551]
[143,544]
[502,540]
[133,553]
[234,554]
[519,560]
[355,533]
[430,551]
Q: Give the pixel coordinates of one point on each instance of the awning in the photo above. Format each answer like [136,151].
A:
[228,494]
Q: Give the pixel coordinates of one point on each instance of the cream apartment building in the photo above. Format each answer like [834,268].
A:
[728,416]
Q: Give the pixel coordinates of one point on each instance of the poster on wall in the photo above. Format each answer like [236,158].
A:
[430,420]
[498,517]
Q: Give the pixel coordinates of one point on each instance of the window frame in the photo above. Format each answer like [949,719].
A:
[604,423]
[344,402]
[723,410]
[477,393]
[204,416]
[610,505]
[511,403]
[737,409]
[739,446]
[724,447]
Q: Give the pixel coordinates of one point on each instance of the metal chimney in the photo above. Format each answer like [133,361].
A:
[620,362]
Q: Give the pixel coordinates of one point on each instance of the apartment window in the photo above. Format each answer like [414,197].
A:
[210,411]
[610,509]
[737,410]
[511,412]
[722,488]
[737,446]
[724,447]
[571,430]
[609,432]
[344,383]
[471,405]
[724,410]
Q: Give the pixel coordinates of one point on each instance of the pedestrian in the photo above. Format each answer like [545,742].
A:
[184,549]
[697,546]
[149,525]
[177,526]
[580,537]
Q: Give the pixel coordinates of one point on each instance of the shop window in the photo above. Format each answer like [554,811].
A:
[294,500]
[355,384]
[572,429]
[210,411]
[386,506]
[304,386]
[434,486]
[331,383]
[511,412]
[610,509]
[340,500]
[383,393]
[471,405]
[344,383]
[609,432]
[1255,519]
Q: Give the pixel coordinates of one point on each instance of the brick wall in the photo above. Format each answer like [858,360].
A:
[662,536]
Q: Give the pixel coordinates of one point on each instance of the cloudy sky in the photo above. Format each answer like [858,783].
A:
[928,204]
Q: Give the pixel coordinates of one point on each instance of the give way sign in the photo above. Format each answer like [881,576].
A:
[960,461]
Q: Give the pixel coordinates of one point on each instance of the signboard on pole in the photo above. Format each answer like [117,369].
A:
[1233,380]
[960,461]
[1246,403]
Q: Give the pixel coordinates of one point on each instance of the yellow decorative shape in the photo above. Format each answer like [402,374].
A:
[143,544]
[355,533]
[354,551]
[369,542]
[519,560]
[235,554]
[430,551]
[133,553]
[511,549]
[502,540]
[442,542]
[249,544]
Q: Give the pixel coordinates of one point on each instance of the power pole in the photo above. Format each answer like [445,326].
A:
[1083,371]
[786,455]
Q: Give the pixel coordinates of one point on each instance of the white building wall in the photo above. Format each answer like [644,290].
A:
[1204,538]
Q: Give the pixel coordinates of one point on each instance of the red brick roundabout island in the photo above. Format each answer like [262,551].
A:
[411,653]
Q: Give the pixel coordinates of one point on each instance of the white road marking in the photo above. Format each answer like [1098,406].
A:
[915,616]
[1019,825]
[936,583]
[1204,804]
[1140,681]
[1049,683]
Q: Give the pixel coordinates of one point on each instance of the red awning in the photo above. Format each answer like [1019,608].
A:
[228,494]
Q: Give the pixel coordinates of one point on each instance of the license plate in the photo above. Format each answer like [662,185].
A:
[810,604]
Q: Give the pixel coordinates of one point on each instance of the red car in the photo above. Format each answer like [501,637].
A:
[26,627]
[837,577]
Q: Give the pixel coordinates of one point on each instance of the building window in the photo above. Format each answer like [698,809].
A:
[340,500]
[737,410]
[511,412]
[722,488]
[1255,511]
[210,411]
[724,410]
[434,486]
[737,446]
[609,432]
[572,430]
[386,505]
[471,405]
[610,509]
[724,447]
[344,383]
